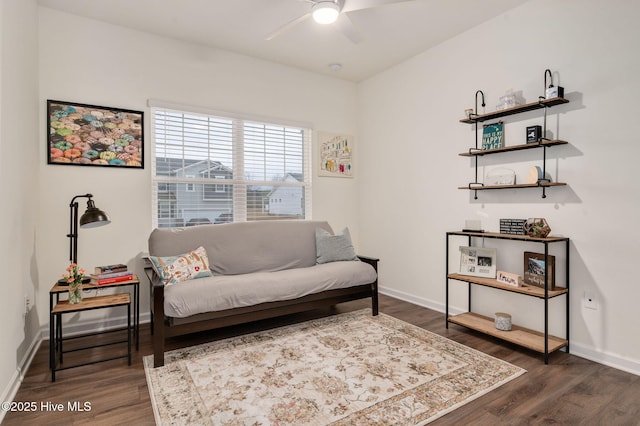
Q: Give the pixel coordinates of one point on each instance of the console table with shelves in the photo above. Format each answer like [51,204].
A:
[543,143]
[541,342]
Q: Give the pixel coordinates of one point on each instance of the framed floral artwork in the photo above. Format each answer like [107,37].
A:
[91,135]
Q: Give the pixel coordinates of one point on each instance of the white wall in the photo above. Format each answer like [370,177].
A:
[113,66]
[408,124]
[18,174]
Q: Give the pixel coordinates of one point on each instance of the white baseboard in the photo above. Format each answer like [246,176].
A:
[95,326]
[18,376]
[69,330]
[611,360]
[420,301]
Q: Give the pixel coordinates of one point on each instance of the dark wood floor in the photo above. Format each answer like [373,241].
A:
[569,391]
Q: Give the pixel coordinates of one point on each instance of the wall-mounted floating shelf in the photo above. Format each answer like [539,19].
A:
[480,152]
[544,144]
[542,103]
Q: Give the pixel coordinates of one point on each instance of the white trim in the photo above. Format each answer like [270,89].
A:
[18,376]
[96,326]
[177,107]
[611,360]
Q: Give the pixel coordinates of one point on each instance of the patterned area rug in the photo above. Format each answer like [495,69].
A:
[347,369]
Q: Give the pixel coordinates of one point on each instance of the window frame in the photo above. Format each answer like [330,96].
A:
[238,183]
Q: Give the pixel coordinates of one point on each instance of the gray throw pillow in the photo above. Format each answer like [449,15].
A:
[334,248]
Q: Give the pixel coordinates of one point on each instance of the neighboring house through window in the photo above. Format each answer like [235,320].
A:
[213,167]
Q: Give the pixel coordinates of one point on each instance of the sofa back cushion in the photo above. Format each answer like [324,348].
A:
[244,247]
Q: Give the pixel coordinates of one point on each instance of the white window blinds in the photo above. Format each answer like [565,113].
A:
[211,167]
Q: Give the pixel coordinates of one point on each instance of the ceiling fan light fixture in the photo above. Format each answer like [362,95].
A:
[325,12]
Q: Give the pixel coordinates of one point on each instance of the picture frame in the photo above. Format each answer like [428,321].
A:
[534,264]
[493,136]
[91,135]
[478,261]
[335,155]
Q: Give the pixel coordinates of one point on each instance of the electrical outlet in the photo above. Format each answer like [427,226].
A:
[590,300]
[27,304]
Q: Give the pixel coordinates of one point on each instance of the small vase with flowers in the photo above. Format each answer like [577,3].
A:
[73,277]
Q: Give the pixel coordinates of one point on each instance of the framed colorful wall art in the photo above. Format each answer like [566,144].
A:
[91,135]
[336,155]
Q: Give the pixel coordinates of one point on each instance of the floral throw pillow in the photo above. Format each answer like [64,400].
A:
[188,266]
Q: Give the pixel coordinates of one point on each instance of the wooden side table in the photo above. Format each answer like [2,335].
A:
[56,290]
[56,339]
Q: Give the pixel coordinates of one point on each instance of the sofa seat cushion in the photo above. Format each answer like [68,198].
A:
[221,292]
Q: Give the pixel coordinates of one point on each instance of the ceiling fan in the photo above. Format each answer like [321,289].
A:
[329,11]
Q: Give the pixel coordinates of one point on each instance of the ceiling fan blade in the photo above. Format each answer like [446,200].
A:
[286,27]
[352,5]
[346,27]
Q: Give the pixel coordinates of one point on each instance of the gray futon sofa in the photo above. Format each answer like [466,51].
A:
[259,270]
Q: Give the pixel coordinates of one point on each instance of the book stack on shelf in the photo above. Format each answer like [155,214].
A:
[111,274]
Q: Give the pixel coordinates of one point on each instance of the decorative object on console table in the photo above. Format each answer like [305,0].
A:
[473,225]
[478,261]
[93,217]
[512,226]
[493,136]
[534,269]
[509,278]
[537,227]
[503,321]
[90,135]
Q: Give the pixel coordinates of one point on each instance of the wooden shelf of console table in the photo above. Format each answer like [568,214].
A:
[529,290]
[530,339]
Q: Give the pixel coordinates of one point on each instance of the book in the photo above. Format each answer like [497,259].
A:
[112,280]
[111,275]
[107,269]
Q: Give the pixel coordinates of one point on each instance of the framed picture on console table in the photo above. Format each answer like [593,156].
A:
[534,264]
[478,261]
[91,135]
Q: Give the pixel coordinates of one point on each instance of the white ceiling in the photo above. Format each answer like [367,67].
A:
[390,33]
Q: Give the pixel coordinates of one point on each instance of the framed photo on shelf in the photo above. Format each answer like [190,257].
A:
[534,265]
[91,135]
[478,261]
[493,136]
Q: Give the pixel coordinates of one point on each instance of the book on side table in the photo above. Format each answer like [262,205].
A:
[111,274]
[109,269]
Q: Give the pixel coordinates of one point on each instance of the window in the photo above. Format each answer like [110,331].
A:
[190,187]
[212,167]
